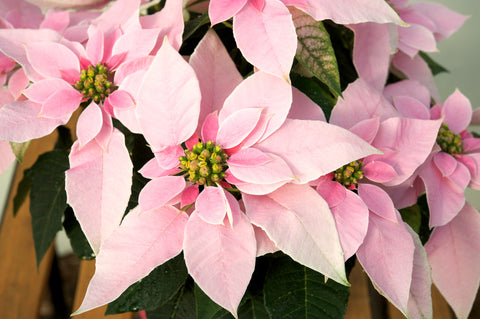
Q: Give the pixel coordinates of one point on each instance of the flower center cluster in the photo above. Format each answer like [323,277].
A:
[450,142]
[349,175]
[95,83]
[204,164]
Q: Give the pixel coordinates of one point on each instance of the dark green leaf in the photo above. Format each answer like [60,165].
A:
[138,149]
[64,139]
[193,25]
[413,217]
[433,65]
[316,91]
[77,238]
[19,150]
[156,7]
[296,292]
[138,182]
[342,42]
[315,50]
[253,307]
[208,309]
[140,154]
[424,230]
[181,306]
[154,290]
[48,199]
[23,190]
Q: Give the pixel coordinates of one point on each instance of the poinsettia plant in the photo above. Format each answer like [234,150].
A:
[236,158]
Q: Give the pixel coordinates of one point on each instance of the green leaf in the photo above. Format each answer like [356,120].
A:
[77,238]
[342,41]
[181,306]
[138,182]
[207,308]
[316,91]
[193,25]
[294,291]
[64,139]
[433,65]
[315,50]
[140,154]
[48,199]
[23,190]
[138,149]
[251,307]
[412,216]
[154,290]
[19,150]
[423,228]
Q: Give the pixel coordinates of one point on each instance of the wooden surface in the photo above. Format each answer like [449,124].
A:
[87,269]
[21,283]
[359,301]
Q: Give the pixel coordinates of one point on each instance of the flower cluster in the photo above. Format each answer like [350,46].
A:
[238,158]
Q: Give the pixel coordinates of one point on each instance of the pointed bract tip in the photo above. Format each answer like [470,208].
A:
[165,40]
[77,312]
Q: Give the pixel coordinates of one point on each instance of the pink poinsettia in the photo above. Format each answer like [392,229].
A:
[453,163]
[100,161]
[54,68]
[265,33]
[16,14]
[22,14]
[70,4]
[444,177]
[368,217]
[19,14]
[389,252]
[64,74]
[7,157]
[17,81]
[454,254]
[427,22]
[242,148]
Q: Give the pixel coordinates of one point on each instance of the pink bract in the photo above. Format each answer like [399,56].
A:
[454,253]
[444,175]
[247,124]
[427,23]
[369,218]
[265,33]
[7,156]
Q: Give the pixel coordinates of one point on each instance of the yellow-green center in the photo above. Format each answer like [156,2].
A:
[450,142]
[204,164]
[95,83]
[349,175]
